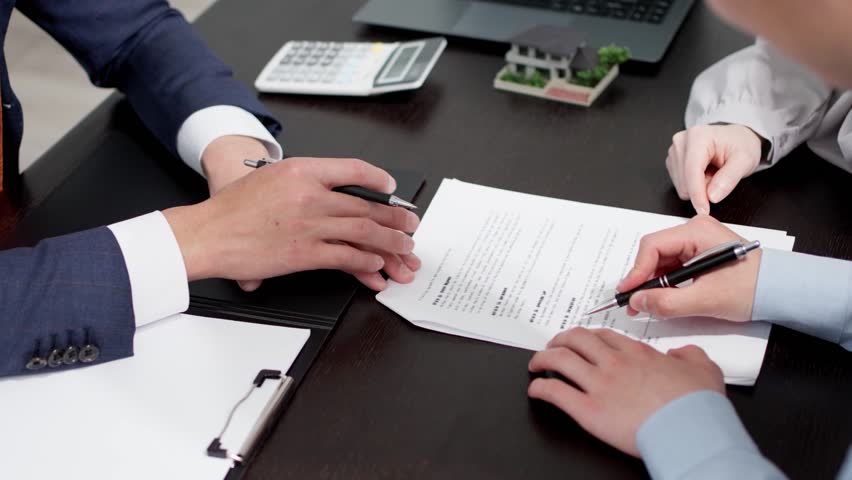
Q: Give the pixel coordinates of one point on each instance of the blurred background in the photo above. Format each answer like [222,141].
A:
[44,75]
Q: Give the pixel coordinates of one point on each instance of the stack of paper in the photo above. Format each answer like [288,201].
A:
[516,269]
[148,416]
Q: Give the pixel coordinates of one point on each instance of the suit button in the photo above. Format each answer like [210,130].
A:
[70,355]
[89,354]
[36,363]
[55,358]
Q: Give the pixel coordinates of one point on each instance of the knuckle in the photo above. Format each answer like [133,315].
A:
[304,198]
[358,168]
[698,130]
[400,242]
[695,350]
[677,137]
[615,362]
[662,306]
[362,227]
[295,224]
[645,242]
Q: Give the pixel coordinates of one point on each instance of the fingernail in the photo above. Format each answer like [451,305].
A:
[392,185]
[379,262]
[414,263]
[409,245]
[413,222]
[702,210]
[715,193]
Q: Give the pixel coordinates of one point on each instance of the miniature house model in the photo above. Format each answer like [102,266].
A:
[543,61]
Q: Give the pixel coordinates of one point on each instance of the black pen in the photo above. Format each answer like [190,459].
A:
[701,263]
[354,190]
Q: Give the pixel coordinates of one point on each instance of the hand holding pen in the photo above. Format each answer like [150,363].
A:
[359,224]
[725,292]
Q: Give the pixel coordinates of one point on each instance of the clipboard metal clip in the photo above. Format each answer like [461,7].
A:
[215,449]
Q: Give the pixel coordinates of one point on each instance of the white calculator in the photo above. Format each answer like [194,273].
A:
[349,68]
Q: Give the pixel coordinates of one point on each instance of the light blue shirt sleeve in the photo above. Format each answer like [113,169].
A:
[699,436]
[807,293]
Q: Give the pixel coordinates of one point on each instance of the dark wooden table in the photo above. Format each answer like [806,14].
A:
[388,400]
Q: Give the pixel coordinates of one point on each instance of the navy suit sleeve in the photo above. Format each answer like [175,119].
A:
[147,50]
[65,302]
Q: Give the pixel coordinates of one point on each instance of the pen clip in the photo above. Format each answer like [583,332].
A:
[713,251]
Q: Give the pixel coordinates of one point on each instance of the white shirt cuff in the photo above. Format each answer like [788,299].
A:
[206,125]
[155,266]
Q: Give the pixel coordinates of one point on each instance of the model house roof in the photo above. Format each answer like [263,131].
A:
[561,41]
[586,58]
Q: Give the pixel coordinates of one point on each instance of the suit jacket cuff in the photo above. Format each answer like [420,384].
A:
[154,265]
[206,125]
[692,433]
[807,293]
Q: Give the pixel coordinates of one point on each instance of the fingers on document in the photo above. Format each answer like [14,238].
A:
[363,231]
[690,353]
[585,343]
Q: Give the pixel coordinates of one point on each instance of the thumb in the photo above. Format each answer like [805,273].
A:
[668,302]
[727,177]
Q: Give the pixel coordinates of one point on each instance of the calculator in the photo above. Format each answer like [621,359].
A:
[349,68]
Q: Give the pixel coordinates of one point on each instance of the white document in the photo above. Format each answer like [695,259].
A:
[148,416]
[516,269]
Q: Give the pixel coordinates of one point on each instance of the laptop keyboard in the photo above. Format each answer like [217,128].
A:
[650,11]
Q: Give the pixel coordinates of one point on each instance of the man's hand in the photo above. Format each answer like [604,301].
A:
[284,218]
[618,383]
[726,293]
[707,161]
[222,162]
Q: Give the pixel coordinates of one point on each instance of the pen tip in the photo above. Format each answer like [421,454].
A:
[398,202]
[603,306]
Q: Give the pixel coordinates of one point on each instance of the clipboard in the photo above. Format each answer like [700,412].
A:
[152,415]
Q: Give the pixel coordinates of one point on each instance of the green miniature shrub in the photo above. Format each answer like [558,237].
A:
[607,58]
[537,79]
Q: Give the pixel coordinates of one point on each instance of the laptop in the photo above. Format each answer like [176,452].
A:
[646,27]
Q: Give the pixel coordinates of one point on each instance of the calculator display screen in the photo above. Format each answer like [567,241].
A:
[402,61]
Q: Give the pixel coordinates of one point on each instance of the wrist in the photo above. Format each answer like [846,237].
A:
[191,225]
[222,160]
